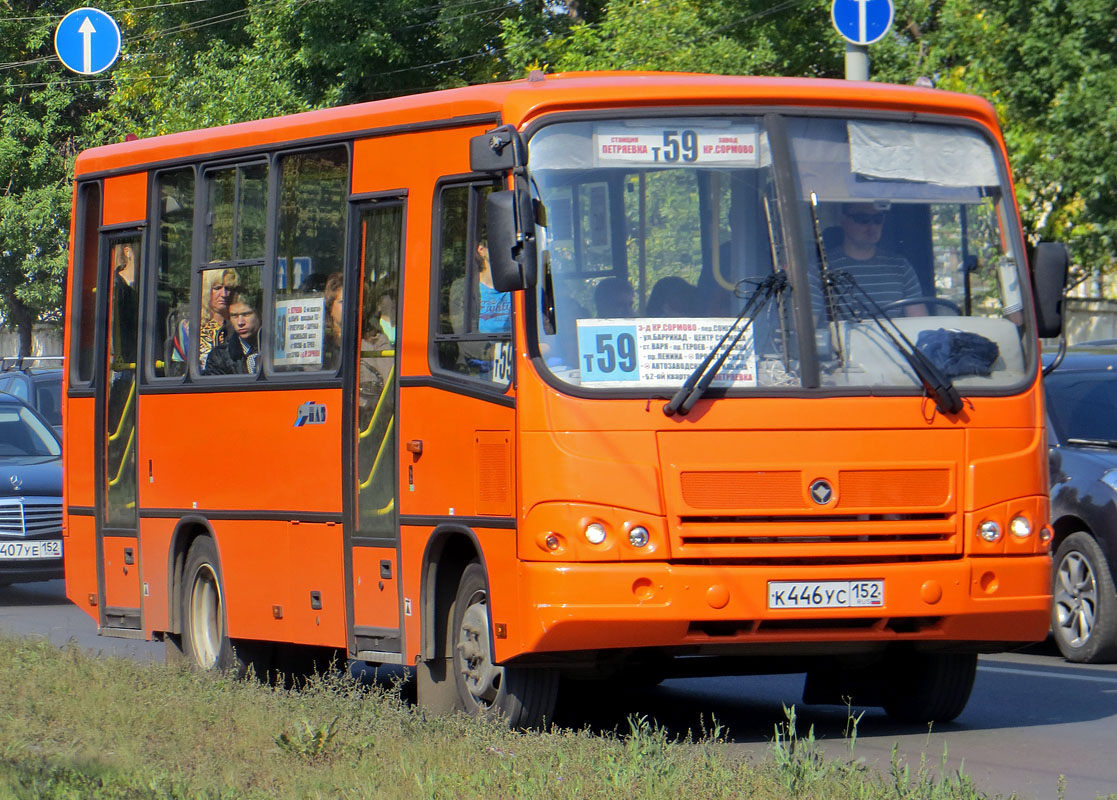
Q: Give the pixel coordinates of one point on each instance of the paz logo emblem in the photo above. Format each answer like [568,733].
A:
[821,491]
[16,482]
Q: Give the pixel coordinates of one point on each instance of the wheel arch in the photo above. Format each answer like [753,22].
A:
[188,529]
[1102,534]
[1064,526]
[449,550]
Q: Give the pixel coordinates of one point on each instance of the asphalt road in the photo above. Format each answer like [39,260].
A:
[1034,722]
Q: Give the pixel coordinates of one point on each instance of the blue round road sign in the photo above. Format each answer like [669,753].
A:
[862,21]
[87,41]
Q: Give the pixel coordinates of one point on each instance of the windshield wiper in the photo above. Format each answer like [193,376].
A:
[854,298]
[938,387]
[1093,442]
[703,375]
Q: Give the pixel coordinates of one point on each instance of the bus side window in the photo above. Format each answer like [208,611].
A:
[310,250]
[235,215]
[84,284]
[170,329]
[474,333]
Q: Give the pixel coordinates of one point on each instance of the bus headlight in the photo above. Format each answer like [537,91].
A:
[990,531]
[595,533]
[1020,527]
[638,536]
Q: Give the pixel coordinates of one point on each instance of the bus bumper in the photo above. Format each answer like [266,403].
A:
[992,603]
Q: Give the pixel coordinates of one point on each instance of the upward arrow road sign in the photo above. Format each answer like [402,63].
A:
[87,41]
[862,21]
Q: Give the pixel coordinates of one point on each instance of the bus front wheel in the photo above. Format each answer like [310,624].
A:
[929,687]
[523,697]
[205,643]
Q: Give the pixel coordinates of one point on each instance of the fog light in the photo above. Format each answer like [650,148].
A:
[1021,528]
[595,533]
[638,536]
[1045,534]
[989,531]
[552,542]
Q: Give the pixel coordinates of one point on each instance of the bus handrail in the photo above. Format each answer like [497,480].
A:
[124,457]
[379,403]
[379,455]
[124,413]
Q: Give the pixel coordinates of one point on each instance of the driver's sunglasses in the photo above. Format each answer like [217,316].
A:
[862,218]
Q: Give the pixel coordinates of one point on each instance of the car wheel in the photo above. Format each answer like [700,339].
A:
[1084,607]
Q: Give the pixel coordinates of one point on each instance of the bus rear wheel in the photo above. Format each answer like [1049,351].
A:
[205,643]
[523,697]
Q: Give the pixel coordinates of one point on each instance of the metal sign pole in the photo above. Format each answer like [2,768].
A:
[857,62]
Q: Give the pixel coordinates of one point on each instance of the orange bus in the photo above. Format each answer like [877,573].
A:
[588,376]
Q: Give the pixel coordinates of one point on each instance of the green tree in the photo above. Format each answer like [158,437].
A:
[1048,68]
[727,37]
[42,109]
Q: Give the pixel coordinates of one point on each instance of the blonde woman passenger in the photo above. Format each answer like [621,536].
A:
[218,286]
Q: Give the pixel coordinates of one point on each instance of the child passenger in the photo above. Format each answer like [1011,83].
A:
[239,354]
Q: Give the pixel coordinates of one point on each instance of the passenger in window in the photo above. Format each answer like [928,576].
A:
[217,287]
[886,277]
[239,354]
[495,308]
[614,298]
[124,301]
[334,316]
[672,297]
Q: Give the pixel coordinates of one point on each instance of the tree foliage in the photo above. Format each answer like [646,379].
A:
[42,112]
[1046,65]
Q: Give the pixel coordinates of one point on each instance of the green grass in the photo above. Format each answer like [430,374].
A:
[78,726]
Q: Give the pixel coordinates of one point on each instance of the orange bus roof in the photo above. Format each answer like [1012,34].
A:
[518,101]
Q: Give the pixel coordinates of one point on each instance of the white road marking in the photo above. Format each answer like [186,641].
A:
[1039,674]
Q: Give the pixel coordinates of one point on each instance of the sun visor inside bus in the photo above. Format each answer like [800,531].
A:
[847,160]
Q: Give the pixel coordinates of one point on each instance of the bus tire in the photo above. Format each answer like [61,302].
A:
[523,697]
[205,643]
[1084,607]
[929,687]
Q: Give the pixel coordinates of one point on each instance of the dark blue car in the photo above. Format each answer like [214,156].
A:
[1082,434]
[37,381]
[30,495]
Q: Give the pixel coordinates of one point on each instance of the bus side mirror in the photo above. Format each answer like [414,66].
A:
[511,232]
[1049,279]
[498,150]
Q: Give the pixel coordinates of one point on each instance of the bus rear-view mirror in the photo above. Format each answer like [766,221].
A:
[1049,278]
[511,240]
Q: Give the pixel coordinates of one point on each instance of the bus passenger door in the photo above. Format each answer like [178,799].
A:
[372,462]
[116,480]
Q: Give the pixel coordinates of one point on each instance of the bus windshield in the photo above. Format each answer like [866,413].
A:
[655,233]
